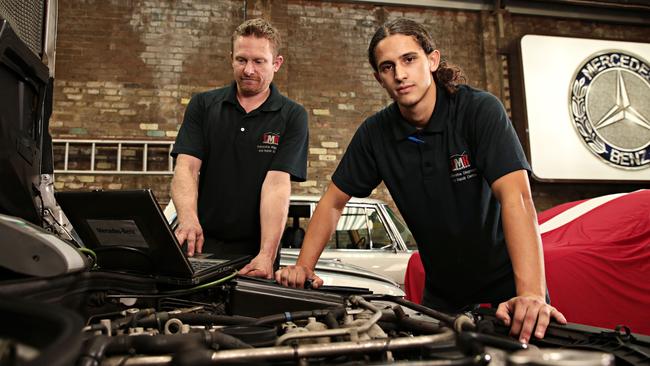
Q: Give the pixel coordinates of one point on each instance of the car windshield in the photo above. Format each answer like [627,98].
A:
[402,229]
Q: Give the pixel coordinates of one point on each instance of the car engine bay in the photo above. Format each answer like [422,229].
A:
[102,318]
[56,308]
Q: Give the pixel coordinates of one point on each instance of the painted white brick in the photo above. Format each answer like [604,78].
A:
[317,151]
[330,144]
[321,112]
[148,126]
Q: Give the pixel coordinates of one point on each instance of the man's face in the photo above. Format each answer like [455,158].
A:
[254,64]
[404,70]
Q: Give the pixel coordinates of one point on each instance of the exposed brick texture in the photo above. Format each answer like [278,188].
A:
[127,68]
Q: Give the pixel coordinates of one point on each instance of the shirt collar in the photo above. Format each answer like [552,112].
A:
[272,103]
[402,129]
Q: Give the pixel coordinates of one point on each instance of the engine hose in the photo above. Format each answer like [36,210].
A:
[203,318]
[458,323]
[98,347]
[337,312]
[226,341]
[94,350]
[414,325]
[139,315]
[158,320]
[130,319]
[161,344]
[331,320]
[490,340]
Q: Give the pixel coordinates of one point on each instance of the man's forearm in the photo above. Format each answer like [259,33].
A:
[526,313]
[274,209]
[521,232]
[322,225]
[524,246]
[184,192]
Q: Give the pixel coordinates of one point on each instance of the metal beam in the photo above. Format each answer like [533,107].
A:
[628,12]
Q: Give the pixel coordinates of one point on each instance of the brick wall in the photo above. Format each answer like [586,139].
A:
[127,68]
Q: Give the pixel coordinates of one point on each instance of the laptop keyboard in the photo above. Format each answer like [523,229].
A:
[199,264]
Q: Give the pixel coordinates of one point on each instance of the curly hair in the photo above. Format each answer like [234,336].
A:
[450,76]
[259,28]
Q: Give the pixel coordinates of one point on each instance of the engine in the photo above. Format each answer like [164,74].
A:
[248,321]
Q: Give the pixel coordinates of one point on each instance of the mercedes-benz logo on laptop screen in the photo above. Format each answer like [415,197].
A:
[610,108]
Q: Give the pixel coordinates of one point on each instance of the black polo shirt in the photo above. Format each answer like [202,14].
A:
[439,178]
[236,150]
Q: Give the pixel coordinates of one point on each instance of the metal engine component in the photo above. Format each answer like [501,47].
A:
[538,357]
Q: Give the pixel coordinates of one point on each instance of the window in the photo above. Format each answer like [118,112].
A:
[351,231]
[294,231]
[402,229]
[378,232]
[360,228]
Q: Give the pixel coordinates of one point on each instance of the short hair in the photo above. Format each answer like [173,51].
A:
[259,28]
[449,75]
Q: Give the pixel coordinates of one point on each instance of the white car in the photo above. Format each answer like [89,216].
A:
[369,235]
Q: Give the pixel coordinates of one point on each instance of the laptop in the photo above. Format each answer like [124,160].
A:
[129,233]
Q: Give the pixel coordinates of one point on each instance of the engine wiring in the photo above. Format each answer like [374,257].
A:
[90,253]
[177,292]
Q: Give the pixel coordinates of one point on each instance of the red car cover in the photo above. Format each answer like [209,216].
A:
[414,279]
[597,256]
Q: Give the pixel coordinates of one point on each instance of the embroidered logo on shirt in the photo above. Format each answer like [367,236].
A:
[270,141]
[271,138]
[461,168]
[459,162]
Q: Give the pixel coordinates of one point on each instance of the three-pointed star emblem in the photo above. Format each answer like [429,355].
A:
[623,109]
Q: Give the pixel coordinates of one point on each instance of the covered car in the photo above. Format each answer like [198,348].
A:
[597,257]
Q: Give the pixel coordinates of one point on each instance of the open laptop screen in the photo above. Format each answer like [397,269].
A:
[127,230]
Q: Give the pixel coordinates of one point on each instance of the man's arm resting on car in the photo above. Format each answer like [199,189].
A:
[320,229]
[274,209]
[185,192]
[527,313]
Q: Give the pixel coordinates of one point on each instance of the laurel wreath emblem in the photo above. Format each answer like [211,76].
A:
[579,110]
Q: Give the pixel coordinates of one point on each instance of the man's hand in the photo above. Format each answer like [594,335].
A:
[522,312]
[191,232]
[296,276]
[260,266]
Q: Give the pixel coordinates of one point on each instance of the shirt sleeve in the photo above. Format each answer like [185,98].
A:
[498,150]
[190,139]
[291,156]
[357,173]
